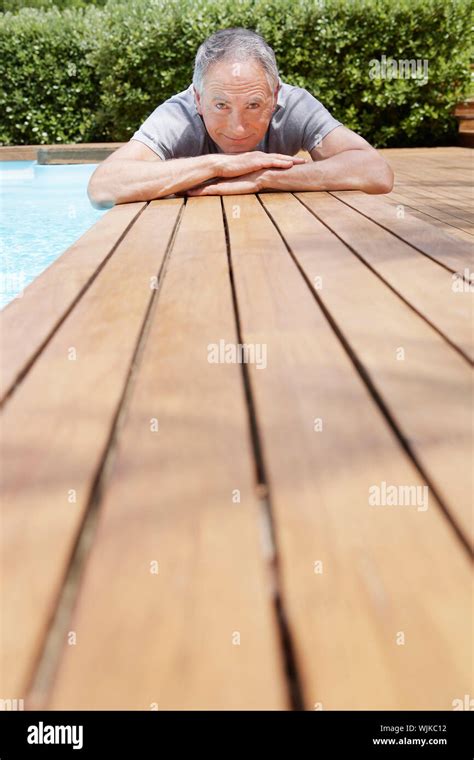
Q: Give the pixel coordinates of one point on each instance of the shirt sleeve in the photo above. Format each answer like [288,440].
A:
[146,140]
[318,123]
[173,130]
[154,133]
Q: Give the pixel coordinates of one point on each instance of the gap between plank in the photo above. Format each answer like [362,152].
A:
[381,278]
[267,522]
[42,678]
[412,245]
[378,400]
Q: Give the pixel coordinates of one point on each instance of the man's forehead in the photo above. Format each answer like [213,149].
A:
[236,77]
[214,86]
[222,93]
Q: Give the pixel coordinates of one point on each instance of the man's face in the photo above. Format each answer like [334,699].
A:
[236,104]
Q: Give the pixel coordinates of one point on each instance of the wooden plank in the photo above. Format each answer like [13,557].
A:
[424,383]
[76,154]
[427,218]
[447,151]
[446,168]
[18,152]
[458,197]
[167,639]
[30,152]
[27,323]
[54,433]
[381,567]
[454,191]
[417,202]
[463,200]
[449,170]
[427,287]
[447,186]
[459,159]
[434,193]
[441,203]
[441,247]
[431,158]
[433,169]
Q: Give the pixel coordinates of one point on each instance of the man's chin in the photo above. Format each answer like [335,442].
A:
[238,148]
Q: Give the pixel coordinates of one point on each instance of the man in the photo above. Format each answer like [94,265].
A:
[236,129]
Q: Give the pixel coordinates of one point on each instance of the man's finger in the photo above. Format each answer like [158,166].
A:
[201,190]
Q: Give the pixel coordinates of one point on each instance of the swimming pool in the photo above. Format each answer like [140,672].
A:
[43,210]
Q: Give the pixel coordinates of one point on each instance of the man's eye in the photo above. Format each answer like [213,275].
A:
[219,104]
[255,105]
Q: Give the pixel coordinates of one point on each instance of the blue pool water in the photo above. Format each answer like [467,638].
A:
[43,210]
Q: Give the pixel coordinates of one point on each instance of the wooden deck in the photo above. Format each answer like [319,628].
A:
[183,534]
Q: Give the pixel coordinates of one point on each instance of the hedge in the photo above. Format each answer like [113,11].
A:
[15,5]
[92,73]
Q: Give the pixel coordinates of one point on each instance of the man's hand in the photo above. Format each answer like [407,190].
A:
[248,183]
[237,164]
[239,177]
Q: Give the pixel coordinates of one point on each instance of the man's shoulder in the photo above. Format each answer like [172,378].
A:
[291,97]
[174,129]
[183,100]
[299,120]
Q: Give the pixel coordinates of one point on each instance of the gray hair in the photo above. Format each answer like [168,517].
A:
[235,43]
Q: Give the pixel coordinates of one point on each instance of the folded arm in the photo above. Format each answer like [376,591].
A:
[343,161]
[134,172]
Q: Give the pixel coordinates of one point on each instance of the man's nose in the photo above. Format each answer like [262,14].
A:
[237,124]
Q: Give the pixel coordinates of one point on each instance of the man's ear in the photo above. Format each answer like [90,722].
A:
[275,95]
[197,100]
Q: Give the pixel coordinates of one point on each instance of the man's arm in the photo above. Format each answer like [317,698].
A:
[343,161]
[134,172]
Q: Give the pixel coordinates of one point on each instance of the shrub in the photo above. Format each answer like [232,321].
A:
[88,74]
[51,89]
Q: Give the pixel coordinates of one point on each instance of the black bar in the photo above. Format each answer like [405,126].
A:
[316,734]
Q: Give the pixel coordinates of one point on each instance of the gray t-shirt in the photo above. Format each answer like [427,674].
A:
[176,130]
